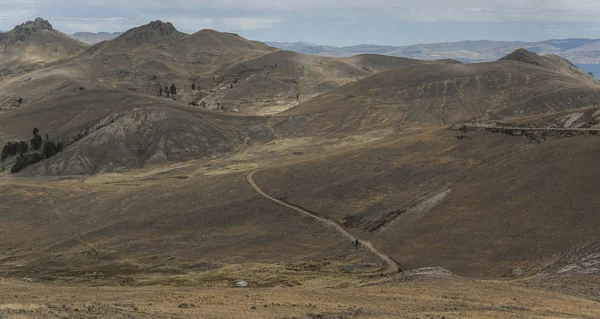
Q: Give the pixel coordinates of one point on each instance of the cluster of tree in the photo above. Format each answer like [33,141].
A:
[48,149]
[169,91]
[51,148]
[25,161]
[14,148]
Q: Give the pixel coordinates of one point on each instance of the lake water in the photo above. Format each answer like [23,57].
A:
[594,68]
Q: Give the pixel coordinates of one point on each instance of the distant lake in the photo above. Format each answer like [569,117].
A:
[594,68]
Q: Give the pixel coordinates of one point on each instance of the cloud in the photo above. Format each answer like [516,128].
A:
[435,10]
[191,14]
[247,24]
[90,24]
[190,24]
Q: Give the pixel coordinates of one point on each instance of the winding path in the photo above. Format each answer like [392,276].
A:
[393,266]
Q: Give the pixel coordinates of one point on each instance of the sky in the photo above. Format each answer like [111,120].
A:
[331,22]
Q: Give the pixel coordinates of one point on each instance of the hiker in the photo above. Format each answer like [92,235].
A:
[160,91]
[298,97]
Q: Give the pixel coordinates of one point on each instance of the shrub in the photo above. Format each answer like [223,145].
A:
[24,161]
[14,148]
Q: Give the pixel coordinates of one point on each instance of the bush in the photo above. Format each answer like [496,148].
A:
[50,149]
[14,148]
[24,161]
[36,142]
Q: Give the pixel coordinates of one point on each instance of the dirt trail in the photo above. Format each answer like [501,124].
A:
[393,266]
[517,128]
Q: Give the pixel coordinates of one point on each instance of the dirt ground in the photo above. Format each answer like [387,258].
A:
[399,297]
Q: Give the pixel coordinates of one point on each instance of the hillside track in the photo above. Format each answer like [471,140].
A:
[393,267]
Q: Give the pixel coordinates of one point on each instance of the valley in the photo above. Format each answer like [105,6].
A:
[360,187]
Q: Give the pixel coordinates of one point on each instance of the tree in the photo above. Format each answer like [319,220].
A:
[591,73]
[14,148]
[173,89]
[36,142]
[23,147]
[50,149]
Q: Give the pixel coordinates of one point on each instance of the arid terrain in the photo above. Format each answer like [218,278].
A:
[170,175]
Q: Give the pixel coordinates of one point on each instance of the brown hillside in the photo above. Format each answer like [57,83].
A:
[152,34]
[360,189]
[447,93]
[228,71]
[108,130]
[551,61]
[277,78]
[484,205]
[35,42]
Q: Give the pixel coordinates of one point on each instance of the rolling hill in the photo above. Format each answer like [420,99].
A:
[579,51]
[366,176]
[228,72]
[451,93]
[94,38]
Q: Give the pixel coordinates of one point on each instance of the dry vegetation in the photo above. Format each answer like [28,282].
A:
[148,212]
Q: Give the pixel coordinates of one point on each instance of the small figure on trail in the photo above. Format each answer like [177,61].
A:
[173,89]
[193,87]
[231,86]
[356,243]
[20,100]
[218,106]
[167,92]
[298,97]
[160,91]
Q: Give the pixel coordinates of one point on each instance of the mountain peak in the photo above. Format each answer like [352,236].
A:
[550,62]
[162,27]
[25,30]
[153,30]
[524,56]
[35,25]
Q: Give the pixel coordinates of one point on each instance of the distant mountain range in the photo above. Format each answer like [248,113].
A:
[585,53]
[93,38]
[579,51]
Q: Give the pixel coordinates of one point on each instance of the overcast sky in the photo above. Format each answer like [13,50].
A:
[334,22]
